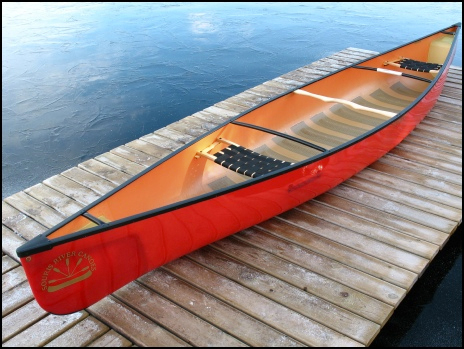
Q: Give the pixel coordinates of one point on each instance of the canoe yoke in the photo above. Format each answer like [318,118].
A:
[242,160]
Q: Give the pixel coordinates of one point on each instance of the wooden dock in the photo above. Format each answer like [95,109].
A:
[328,273]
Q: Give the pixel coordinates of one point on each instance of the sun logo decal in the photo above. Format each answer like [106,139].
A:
[66,270]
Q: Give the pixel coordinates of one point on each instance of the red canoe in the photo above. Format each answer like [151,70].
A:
[263,162]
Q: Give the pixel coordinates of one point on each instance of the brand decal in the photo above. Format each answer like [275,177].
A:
[66,270]
[313,175]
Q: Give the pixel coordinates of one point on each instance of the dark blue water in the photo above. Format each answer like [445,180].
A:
[79,79]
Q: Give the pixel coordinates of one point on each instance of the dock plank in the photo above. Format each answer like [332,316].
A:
[382,218]
[330,272]
[10,242]
[87,180]
[45,330]
[191,328]
[369,229]
[21,319]
[339,252]
[317,284]
[394,207]
[21,224]
[80,335]
[291,297]
[32,207]
[105,171]
[396,195]
[8,263]
[274,314]
[64,204]
[110,339]
[138,329]
[15,298]
[13,277]
[120,163]
[72,189]
[239,324]
[417,178]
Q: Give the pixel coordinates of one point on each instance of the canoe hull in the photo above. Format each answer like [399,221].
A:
[83,271]
[70,272]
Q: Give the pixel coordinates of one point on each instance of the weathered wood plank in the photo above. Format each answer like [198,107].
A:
[134,155]
[87,180]
[394,195]
[225,114]
[369,229]
[148,148]
[13,278]
[233,107]
[32,207]
[451,137]
[237,323]
[69,188]
[305,278]
[8,263]
[19,320]
[10,242]
[341,253]
[20,223]
[274,314]
[413,177]
[133,325]
[45,330]
[184,324]
[110,339]
[435,123]
[176,136]
[15,298]
[80,335]
[289,296]
[395,208]
[120,163]
[193,126]
[105,171]
[431,153]
[162,142]
[423,169]
[356,240]
[389,220]
[60,202]
[264,91]
[413,140]
[211,117]
[412,188]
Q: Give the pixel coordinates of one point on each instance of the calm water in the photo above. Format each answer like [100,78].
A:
[79,79]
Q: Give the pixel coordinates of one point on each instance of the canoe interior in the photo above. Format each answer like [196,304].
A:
[327,125]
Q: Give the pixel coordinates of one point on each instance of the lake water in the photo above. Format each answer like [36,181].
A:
[79,79]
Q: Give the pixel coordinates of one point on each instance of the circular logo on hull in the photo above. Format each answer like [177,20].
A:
[66,270]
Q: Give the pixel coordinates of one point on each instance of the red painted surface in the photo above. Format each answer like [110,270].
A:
[75,275]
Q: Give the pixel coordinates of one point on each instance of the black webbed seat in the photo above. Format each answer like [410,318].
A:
[247,162]
[419,66]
